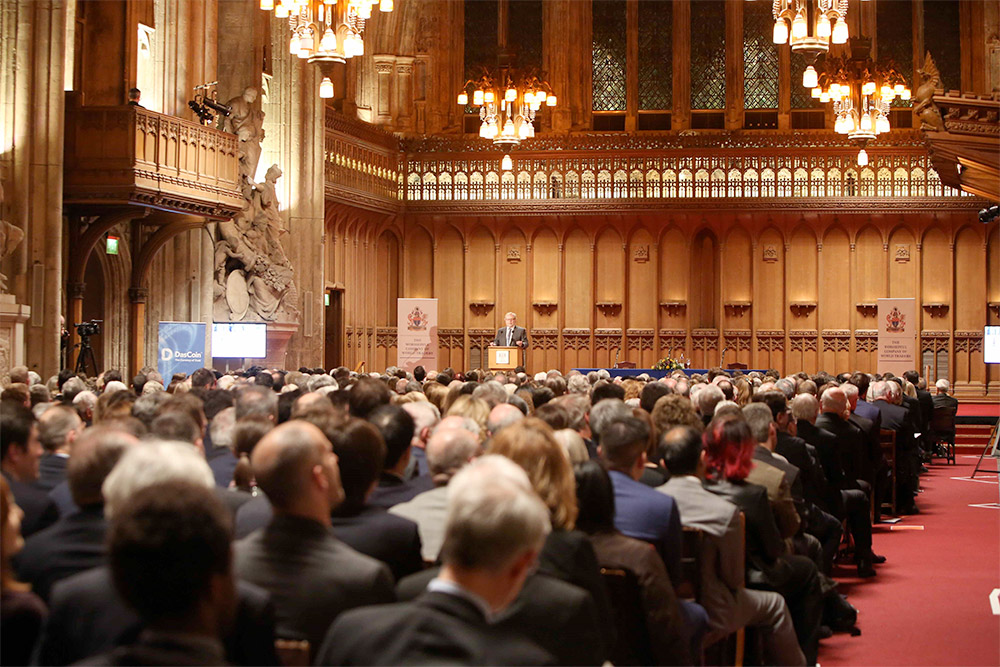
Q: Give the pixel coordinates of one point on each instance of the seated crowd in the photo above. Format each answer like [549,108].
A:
[267,516]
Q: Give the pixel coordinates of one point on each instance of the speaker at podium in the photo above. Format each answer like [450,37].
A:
[503,358]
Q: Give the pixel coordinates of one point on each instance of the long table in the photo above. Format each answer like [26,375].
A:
[653,373]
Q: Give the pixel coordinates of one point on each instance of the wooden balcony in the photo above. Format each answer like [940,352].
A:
[132,156]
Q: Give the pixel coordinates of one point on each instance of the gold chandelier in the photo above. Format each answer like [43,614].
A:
[862,91]
[325,32]
[810,26]
[508,100]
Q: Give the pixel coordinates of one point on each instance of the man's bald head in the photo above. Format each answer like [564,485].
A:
[834,400]
[449,449]
[285,459]
[503,414]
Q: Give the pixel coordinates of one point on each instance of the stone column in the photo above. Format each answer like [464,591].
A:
[137,297]
[404,93]
[384,107]
[31,165]
[74,316]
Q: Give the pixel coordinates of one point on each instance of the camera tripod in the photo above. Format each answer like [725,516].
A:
[85,358]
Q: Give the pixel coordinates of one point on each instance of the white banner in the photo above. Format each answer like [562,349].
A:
[897,336]
[416,333]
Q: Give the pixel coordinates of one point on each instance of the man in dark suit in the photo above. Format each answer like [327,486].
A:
[896,418]
[397,428]
[854,489]
[511,335]
[496,527]
[20,452]
[58,427]
[311,575]
[171,560]
[941,398]
[76,542]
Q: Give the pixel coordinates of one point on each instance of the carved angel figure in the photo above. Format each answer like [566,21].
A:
[926,110]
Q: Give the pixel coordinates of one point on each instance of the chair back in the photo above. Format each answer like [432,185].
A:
[632,645]
[292,652]
[689,587]
[943,419]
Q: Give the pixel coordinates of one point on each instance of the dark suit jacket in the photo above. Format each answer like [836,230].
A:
[926,402]
[39,510]
[51,471]
[252,515]
[393,490]
[643,513]
[851,450]
[436,628]
[868,411]
[87,617]
[944,400]
[825,444]
[559,617]
[63,498]
[386,537]
[896,418]
[160,650]
[763,539]
[72,544]
[520,334]
[223,464]
[311,575]
[811,476]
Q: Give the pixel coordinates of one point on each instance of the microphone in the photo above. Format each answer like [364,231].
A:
[618,351]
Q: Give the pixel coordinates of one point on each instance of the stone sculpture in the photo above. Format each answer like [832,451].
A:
[10,236]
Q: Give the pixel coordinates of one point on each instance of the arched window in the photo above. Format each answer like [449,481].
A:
[751,184]
[609,54]
[708,54]
[670,184]
[444,185]
[900,183]
[430,189]
[760,57]
[817,187]
[588,183]
[413,187]
[652,184]
[573,185]
[476,183]
[540,182]
[767,183]
[461,186]
[523,185]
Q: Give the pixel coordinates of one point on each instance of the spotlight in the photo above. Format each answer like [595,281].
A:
[988,215]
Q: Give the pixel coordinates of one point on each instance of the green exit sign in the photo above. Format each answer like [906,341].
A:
[326,299]
[111,245]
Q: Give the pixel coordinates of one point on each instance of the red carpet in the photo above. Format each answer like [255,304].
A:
[984,409]
[929,604]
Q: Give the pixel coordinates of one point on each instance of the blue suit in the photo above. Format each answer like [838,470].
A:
[643,513]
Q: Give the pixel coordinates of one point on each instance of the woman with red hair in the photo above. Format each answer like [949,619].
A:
[728,456]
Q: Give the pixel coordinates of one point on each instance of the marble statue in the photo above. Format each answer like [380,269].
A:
[10,236]
[247,123]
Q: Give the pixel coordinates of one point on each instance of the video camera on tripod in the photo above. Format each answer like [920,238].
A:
[86,356]
[88,329]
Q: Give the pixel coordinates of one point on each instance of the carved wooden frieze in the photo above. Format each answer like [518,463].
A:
[705,339]
[968,341]
[738,340]
[546,339]
[902,253]
[576,339]
[802,341]
[866,340]
[639,339]
[836,340]
[607,339]
[771,340]
[770,252]
[386,337]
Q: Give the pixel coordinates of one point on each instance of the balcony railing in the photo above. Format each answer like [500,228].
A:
[130,155]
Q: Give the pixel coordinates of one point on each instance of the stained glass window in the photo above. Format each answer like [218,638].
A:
[609,55]
[708,54]
[760,58]
[894,36]
[656,18]
[801,96]
[524,33]
[480,36]
[941,38]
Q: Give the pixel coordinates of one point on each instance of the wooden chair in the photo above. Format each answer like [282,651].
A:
[292,652]
[942,427]
[731,650]
[632,645]
[691,546]
[887,440]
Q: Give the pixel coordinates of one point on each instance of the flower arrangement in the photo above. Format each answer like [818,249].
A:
[669,364]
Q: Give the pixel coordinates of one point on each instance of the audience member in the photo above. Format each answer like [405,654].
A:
[58,428]
[22,613]
[19,460]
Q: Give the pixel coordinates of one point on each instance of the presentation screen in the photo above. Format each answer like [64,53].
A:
[239,339]
[991,345]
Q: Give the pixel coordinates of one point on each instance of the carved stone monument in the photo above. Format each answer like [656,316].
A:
[12,314]
[254,281]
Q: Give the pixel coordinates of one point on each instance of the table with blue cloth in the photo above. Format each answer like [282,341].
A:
[656,374]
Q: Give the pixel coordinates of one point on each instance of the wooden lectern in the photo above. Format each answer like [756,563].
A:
[503,358]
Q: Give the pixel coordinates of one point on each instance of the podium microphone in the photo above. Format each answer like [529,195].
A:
[618,351]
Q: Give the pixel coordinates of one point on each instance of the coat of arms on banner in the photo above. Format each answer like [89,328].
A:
[895,321]
[417,320]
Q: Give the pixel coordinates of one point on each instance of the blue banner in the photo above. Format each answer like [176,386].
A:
[182,348]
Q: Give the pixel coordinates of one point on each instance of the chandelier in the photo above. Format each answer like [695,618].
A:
[508,100]
[861,91]
[325,32]
[810,26]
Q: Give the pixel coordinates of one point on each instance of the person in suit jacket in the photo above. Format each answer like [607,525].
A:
[556,615]
[730,605]
[397,428]
[58,428]
[895,418]
[20,452]
[941,398]
[495,529]
[311,575]
[728,459]
[76,542]
[511,335]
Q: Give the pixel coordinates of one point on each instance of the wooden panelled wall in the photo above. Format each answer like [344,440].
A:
[791,292]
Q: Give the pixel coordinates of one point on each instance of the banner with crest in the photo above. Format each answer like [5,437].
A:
[897,336]
[417,333]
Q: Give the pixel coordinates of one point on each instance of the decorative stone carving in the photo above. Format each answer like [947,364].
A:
[514,253]
[770,252]
[640,253]
[10,236]
[923,97]
[902,252]
[247,123]
[254,280]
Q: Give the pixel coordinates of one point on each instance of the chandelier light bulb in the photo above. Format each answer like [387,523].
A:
[840,34]
[882,124]
[834,91]
[267,5]
[862,158]
[868,88]
[866,123]
[780,35]
[281,11]
[824,97]
[849,123]
[898,88]
[506,164]
[540,96]
[550,101]
[809,77]
[326,88]
[905,95]
[887,93]
[799,27]
[823,28]
[508,128]
[484,131]
[365,11]
[385,6]
[463,99]
[489,97]
[816,92]
[329,41]
[494,131]
[477,98]
[530,133]
[293,44]
[529,98]
[510,95]
[838,125]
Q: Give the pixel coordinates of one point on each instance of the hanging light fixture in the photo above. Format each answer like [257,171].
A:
[326,32]
[508,101]
[810,26]
[862,91]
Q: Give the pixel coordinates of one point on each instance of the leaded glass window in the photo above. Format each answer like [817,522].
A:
[609,53]
[894,36]
[760,58]
[656,18]
[481,20]
[708,54]
[801,96]
[524,32]
[942,39]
